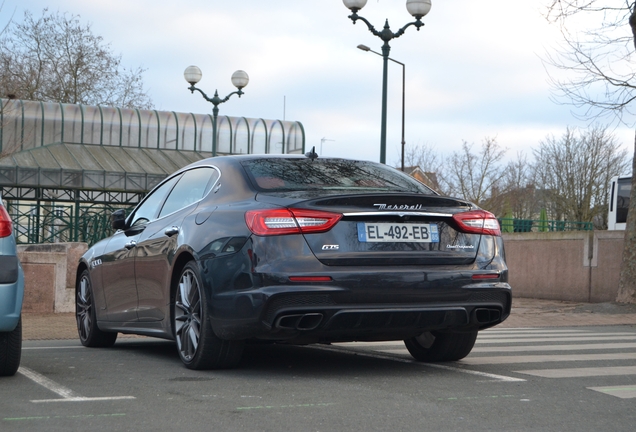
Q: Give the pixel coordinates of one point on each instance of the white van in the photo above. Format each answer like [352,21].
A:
[620,190]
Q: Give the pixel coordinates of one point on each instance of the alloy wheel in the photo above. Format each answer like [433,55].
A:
[188,315]
[84,311]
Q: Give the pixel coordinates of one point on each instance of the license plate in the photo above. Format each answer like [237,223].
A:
[397,232]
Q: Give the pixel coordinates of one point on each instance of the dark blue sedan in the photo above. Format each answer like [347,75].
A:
[294,249]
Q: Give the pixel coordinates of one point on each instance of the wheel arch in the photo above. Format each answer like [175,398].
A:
[80,269]
[181,261]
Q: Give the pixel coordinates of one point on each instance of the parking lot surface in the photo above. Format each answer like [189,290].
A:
[553,366]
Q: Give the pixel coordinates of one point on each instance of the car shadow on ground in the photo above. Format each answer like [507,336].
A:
[311,361]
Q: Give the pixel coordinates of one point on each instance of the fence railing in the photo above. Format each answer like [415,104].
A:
[531,225]
[61,222]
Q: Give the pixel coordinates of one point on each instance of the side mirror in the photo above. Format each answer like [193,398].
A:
[118,219]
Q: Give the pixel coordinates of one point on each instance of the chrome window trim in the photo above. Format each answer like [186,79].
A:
[181,171]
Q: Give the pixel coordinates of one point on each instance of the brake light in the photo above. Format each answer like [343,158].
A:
[6,226]
[310,278]
[290,221]
[485,276]
[477,222]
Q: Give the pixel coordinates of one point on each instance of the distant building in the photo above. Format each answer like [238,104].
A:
[429,179]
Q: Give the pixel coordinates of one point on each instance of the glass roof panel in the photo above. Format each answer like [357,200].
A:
[164,159]
[24,159]
[64,158]
[123,159]
[83,156]
[185,158]
[44,159]
[147,165]
[103,158]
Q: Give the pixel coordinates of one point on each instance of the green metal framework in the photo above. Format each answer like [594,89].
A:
[54,222]
[530,225]
[65,167]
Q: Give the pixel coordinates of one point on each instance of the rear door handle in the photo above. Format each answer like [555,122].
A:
[171,231]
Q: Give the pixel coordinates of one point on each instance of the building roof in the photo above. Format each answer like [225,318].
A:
[89,166]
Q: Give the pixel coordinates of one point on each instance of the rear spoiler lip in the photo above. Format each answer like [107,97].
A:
[399,213]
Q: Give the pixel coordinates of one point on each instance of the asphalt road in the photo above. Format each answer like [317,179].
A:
[543,379]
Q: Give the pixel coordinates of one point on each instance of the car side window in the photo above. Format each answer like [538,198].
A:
[191,187]
[149,209]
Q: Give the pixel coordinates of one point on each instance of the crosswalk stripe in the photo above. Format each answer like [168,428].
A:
[483,336]
[623,392]
[556,339]
[546,358]
[580,372]
[581,347]
[528,331]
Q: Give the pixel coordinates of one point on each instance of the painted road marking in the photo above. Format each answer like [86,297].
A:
[556,339]
[52,348]
[546,358]
[529,330]
[580,372]
[74,417]
[500,378]
[581,347]
[623,392]
[551,335]
[67,394]
[308,405]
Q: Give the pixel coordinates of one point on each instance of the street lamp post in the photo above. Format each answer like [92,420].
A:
[366,48]
[240,79]
[418,9]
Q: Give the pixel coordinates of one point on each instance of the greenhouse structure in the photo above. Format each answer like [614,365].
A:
[64,168]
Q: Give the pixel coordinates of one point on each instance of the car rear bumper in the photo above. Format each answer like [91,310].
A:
[309,314]
[11,297]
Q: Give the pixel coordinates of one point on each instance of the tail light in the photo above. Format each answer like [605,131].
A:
[485,276]
[477,222]
[290,221]
[310,278]
[6,226]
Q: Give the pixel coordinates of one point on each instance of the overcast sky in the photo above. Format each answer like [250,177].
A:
[473,71]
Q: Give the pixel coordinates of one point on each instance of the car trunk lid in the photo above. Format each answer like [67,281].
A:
[386,229]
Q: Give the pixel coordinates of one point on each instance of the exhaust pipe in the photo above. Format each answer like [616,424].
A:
[302,322]
[485,316]
[309,321]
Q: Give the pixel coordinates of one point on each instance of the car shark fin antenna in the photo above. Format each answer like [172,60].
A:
[312,154]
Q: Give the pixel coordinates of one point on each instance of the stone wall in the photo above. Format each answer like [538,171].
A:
[570,266]
[49,276]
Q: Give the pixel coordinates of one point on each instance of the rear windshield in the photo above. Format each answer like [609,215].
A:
[280,174]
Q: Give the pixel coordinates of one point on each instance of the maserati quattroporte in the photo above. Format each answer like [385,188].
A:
[294,249]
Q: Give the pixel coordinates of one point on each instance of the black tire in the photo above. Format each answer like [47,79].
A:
[11,350]
[89,334]
[441,346]
[199,348]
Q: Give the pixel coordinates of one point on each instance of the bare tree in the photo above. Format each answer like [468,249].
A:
[602,80]
[429,161]
[519,195]
[575,171]
[477,177]
[6,25]
[423,156]
[55,58]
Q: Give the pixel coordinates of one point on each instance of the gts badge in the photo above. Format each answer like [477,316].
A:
[95,263]
[330,247]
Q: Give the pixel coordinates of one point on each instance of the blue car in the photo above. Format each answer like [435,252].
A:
[11,296]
